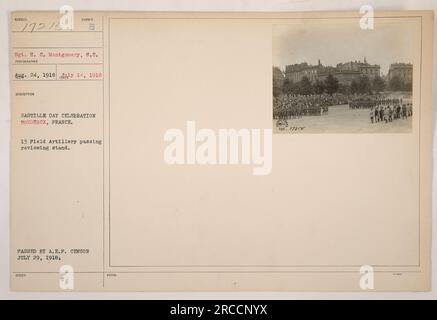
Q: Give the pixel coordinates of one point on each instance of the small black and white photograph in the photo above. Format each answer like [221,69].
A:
[341,78]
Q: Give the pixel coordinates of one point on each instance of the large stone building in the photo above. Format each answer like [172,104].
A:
[344,72]
[364,68]
[296,72]
[402,70]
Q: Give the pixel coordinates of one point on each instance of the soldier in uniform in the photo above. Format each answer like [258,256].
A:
[372,114]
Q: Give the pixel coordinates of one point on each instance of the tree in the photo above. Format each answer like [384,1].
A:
[378,84]
[354,87]
[305,86]
[319,87]
[287,86]
[396,83]
[344,89]
[331,84]
[276,90]
[364,85]
[408,86]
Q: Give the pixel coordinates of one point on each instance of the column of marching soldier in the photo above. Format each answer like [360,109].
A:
[382,109]
[289,106]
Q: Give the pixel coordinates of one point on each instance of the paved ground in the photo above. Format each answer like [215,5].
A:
[341,119]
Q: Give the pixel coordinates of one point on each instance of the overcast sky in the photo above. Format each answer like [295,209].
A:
[389,41]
